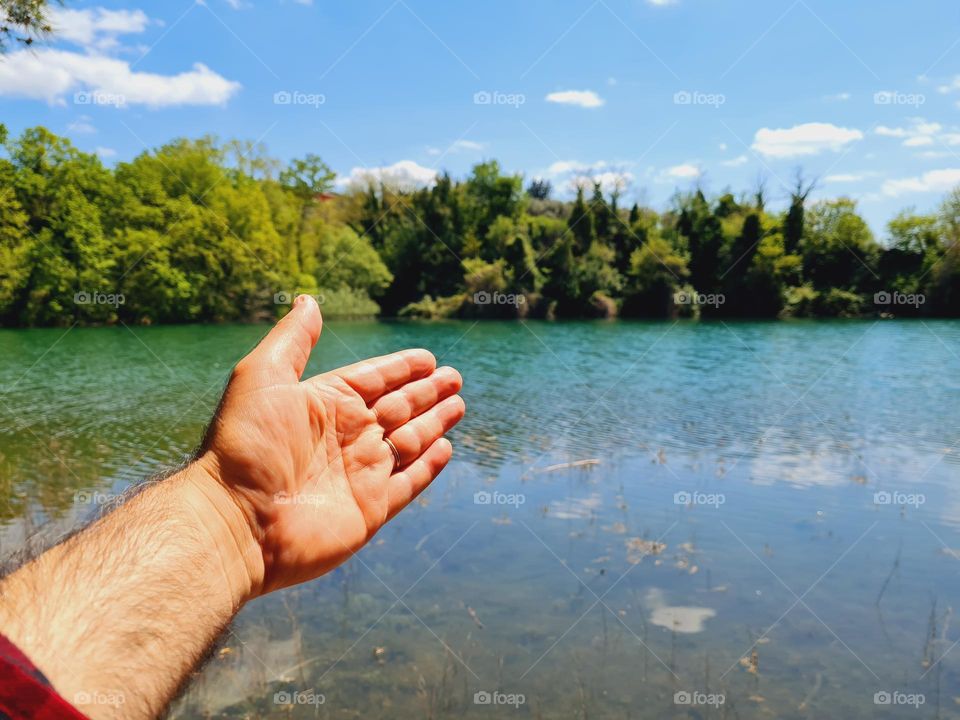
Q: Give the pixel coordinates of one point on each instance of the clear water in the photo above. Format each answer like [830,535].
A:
[786,583]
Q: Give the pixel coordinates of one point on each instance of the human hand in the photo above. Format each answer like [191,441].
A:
[305,462]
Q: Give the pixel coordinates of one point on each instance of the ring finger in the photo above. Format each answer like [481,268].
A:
[414,437]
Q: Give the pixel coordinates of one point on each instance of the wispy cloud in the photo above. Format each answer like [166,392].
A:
[844,178]
[736,162]
[806,139]
[919,133]
[932,181]
[580,98]
[684,171]
[82,125]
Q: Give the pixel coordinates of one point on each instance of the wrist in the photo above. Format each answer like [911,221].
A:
[226,526]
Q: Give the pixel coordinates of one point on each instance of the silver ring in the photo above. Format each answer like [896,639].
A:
[396,453]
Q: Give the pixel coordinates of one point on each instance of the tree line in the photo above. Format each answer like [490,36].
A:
[204,231]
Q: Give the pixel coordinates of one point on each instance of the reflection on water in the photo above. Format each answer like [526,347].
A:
[675,618]
[769,512]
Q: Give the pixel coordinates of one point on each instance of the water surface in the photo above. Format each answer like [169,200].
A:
[770,512]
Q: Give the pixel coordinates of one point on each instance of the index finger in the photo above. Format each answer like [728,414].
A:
[377,376]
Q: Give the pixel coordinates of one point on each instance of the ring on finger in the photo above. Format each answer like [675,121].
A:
[394,451]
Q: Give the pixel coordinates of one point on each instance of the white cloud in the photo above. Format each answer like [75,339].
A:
[885,131]
[919,133]
[683,172]
[736,162]
[932,181]
[403,175]
[686,171]
[457,146]
[837,97]
[82,125]
[723,147]
[105,152]
[661,3]
[572,174]
[954,84]
[50,75]
[564,166]
[95,27]
[843,178]
[581,98]
[610,181]
[95,76]
[805,139]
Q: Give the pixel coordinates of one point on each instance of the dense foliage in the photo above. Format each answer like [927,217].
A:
[202,231]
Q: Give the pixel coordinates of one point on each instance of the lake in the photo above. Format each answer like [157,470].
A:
[642,520]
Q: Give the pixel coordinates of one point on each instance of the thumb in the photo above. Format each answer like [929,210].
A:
[284,352]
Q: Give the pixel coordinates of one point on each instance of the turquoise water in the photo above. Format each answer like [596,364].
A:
[769,512]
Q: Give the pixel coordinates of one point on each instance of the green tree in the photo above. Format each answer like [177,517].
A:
[838,248]
[657,273]
[22,21]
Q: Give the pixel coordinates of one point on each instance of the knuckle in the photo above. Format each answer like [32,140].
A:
[242,369]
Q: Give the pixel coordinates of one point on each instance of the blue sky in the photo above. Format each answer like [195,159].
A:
[645,95]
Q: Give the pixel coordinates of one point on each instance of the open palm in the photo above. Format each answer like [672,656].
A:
[306,460]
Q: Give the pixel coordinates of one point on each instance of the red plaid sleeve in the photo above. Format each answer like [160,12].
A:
[25,692]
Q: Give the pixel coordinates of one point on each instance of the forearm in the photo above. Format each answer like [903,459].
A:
[122,612]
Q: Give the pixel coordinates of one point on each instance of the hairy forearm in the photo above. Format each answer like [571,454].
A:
[118,615]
